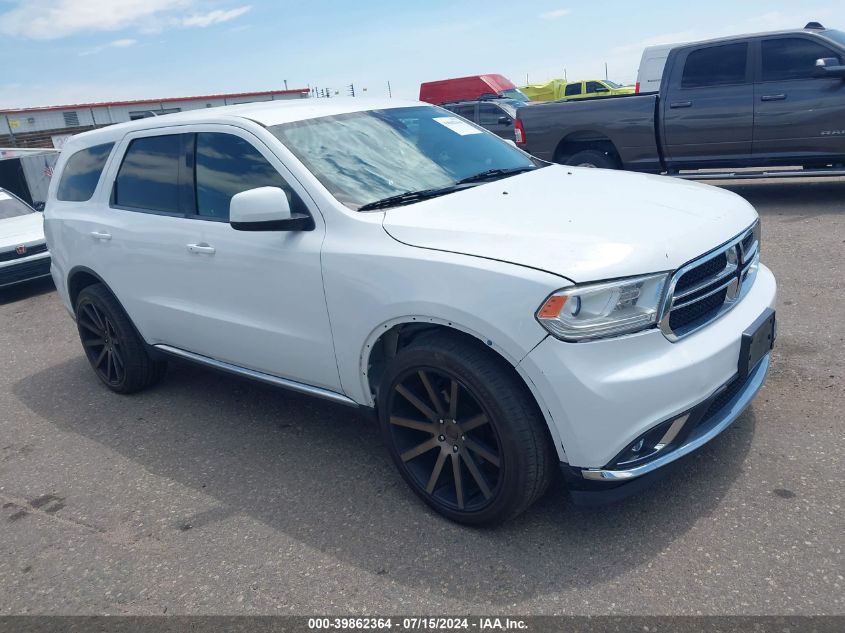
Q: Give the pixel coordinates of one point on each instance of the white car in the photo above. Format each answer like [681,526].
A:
[500,318]
[23,249]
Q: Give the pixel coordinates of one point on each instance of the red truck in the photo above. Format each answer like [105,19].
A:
[469,88]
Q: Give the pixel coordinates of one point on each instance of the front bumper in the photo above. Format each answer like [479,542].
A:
[600,396]
[24,269]
[706,421]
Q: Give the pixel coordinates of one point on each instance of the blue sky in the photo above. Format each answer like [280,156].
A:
[68,51]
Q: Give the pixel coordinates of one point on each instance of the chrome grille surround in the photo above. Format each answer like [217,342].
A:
[741,256]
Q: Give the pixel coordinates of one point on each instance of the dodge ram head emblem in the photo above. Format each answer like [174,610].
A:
[21,250]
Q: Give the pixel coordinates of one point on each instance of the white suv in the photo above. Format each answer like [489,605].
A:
[500,317]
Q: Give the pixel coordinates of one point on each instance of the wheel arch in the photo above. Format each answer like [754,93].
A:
[582,140]
[391,336]
[79,278]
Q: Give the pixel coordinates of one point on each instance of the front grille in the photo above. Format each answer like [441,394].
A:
[708,286]
[8,256]
[24,271]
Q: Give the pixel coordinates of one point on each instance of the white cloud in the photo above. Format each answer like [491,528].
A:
[53,19]
[124,43]
[203,20]
[555,14]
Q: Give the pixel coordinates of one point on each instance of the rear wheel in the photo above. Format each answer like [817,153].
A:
[111,343]
[463,431]
[593,158]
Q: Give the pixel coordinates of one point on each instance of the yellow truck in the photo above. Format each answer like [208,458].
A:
[557,89]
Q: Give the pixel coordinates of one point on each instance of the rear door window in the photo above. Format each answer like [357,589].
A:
[594,86]
[489,114]
[466,111]
[572,89]
[82,173]
[149,178]
[716,66]
[792,58]
[226,165]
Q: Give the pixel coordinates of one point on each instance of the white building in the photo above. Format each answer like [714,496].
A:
[50,126]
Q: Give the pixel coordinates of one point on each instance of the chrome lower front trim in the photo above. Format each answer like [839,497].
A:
[721,420]
[317,392]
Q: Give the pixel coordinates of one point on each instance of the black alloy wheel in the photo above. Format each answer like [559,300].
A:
[101,343]
[463,429]
[445,440]
[115,350]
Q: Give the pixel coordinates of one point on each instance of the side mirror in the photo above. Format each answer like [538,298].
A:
[266,209]
[829,67]
[505,120]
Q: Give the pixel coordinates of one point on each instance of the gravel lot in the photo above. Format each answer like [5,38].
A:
[213,495]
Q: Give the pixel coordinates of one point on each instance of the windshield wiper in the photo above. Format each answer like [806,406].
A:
[493,174]
[407,198]
[415,196]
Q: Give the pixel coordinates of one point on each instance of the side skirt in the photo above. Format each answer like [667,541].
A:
[257,375]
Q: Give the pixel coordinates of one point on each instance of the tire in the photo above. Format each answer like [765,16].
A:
[111,343]
[592,158]
[494,433]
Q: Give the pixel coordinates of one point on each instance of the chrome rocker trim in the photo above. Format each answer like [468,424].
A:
[718,423]
[257,375]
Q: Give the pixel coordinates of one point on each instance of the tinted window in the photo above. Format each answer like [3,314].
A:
[594,86]
[149,175]
[489,114]
[227,165]
[82,173]
[466,111]
[792,58]
[572,89]
[715,66]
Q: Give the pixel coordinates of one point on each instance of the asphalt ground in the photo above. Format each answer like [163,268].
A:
[210,495]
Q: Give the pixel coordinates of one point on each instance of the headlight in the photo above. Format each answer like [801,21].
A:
[604,309]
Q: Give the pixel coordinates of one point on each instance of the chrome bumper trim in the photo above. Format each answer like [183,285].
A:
[722,420]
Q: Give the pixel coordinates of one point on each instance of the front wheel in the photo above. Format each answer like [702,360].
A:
[463,430]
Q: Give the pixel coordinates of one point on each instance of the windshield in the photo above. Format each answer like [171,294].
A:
[11,207]
[836,36]
[516,94]
[363,157]
[611,84]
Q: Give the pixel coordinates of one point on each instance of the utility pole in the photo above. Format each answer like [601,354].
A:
[605,70]
[286,83]
[389,93]
[351,90]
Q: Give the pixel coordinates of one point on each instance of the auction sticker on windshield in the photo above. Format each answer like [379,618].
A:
[456,125]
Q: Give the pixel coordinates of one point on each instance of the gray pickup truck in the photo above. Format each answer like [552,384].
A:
[750,101]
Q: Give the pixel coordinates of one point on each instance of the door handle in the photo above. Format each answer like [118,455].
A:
[100,235]
[778,97]
[201,248]
[680,104]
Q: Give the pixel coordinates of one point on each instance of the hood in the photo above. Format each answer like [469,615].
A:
[23,229]
[580,223]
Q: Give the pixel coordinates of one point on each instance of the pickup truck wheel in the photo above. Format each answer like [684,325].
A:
[463,431]
[592,158]
[111,343]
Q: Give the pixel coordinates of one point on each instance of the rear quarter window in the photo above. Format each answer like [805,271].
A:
[82,173]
